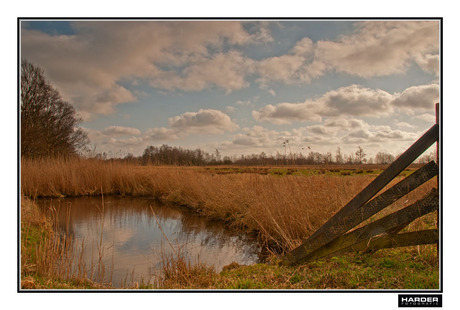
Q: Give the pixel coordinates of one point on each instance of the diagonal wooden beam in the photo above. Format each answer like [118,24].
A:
[375,205]
[430,236]
[336,226]
[388,223]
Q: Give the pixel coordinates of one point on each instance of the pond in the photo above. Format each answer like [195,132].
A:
[131,237]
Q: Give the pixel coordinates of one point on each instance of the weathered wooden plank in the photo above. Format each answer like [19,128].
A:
[437,178]
[430,236]
[330,230]
[344,221]
[388,223]
[390,196]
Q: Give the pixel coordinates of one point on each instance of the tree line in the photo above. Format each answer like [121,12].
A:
[178,156]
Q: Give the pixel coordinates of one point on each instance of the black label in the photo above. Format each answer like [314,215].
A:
[420,300]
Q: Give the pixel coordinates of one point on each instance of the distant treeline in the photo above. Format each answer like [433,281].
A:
[170,155]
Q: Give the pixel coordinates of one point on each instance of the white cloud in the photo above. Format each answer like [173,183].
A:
[430,118]
[205,121]
[246,102]
[258,136]
[348,137]
[380,48]
[224,70]
[353,100]
[285,113]
[161,134]
[87,66]
[297,66]
[94,135]
[244,140]
[201,122]
[429,63]
[281,68]
[319,130]
[95,67]
[120,130]
[417,97]
[126,142]
[324,137]
[376,48]
[108,140]
[379,135]
[345,123]
[357,101]
[404,125]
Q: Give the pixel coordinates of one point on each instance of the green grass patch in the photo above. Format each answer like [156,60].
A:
[387,269]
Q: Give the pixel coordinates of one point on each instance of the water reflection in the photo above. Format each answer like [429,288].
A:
[134,233]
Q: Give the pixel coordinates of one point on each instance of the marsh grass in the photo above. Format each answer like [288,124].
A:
[178,272]
[281,210]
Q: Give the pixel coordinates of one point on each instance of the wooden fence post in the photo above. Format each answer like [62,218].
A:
[437,142]
[411,238]
[340,222]
[393,222]
[437,178]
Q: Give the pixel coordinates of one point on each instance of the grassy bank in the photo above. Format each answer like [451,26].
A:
[281,208]
[46,262]
[410,268]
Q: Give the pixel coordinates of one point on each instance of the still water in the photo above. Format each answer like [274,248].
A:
[134,235]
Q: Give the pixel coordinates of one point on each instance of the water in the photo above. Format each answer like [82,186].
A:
[133,235]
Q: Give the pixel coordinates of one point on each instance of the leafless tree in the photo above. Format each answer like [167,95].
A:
[384,158]
[338,156]
[48,123]
[360,155]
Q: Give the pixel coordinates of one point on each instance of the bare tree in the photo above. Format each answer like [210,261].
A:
[360,155]
[328,158]
[384,158]
[338,156]
[48,123]
[218,156]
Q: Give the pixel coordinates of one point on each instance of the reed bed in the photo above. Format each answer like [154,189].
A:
[281,210]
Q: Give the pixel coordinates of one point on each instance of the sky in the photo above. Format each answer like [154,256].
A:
[243,86]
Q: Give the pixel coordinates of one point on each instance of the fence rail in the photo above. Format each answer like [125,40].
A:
[332,238]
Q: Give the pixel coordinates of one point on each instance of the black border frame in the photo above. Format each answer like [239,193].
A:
[440,176]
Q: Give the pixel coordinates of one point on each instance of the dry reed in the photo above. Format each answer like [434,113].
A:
[281,210]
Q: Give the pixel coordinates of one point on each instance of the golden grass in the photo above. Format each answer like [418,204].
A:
[281,210]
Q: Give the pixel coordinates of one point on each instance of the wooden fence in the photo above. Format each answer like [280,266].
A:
[334,238]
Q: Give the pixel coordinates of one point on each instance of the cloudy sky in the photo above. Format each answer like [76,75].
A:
[243,86]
